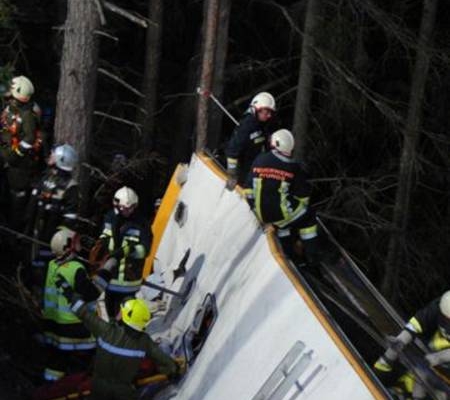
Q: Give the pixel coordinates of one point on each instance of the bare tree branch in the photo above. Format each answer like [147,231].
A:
[137,19]
[100,12]
[121,81]
[94,170]
[124,121]
[107,35]
[262,88]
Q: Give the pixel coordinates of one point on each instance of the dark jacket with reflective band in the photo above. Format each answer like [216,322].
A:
[129,237]
[53,203]
[121,349]
[428,323]
[278,187]
[62,328]
[248,140]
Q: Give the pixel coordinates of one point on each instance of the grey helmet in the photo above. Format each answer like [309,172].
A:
[65,157]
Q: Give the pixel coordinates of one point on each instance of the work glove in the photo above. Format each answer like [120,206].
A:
[157,306]
[110,265]
[438,357]
[124,251]
[105,273]
[232,178]
[398,343]
[180,363]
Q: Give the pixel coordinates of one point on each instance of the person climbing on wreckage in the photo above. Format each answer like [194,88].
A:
[249,138]
[278,190]
[126,240]
[432,325]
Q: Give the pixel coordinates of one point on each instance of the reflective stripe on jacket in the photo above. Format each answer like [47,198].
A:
[63,329]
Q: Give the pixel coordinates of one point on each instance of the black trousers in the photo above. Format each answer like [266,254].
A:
[290,234]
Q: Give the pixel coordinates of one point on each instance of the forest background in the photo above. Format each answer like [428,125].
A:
[363,84]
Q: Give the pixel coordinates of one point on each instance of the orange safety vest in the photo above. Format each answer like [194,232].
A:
[13,128]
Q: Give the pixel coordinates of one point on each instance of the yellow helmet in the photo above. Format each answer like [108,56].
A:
[136,314]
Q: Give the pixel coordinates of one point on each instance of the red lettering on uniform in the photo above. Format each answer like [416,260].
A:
[273,173]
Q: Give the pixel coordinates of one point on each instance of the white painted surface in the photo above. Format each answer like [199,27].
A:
[261,314]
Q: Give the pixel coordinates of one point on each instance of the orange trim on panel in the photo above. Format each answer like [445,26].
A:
[279,257]
[165,210]
[212,165]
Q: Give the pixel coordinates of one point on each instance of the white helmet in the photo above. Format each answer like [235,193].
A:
[263,100]
[283,141]
[65,157]
[444,304]
[125,201]
[21,88]
[62,242]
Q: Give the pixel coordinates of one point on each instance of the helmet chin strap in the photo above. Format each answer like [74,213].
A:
[281,152]
[67,256]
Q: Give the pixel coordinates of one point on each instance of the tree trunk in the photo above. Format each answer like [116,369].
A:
[78,81]
[216,114]
[151,71]
[206,78]
[183,141]
[77,84]
[305,78]
[397,243]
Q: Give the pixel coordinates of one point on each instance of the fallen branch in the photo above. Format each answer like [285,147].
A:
[121,81]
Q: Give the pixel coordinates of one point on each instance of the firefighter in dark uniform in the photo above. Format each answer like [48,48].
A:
[126,238]
[121,346]
[53,203]
[21,141]
[249,138]
[278,189]
[69,344]
[432,325]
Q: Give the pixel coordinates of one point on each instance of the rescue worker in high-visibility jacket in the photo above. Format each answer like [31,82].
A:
[278,189]
[21,142]
[53,203]
[67,340]
[121,347]
[126,236]
[249,138]
[432,325]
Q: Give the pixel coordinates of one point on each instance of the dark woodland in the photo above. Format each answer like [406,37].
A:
[363,84]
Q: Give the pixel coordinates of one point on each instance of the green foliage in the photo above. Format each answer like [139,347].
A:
[6,10]
[6,74]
